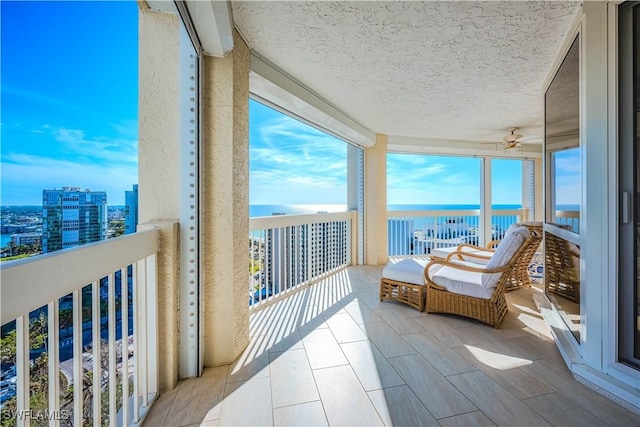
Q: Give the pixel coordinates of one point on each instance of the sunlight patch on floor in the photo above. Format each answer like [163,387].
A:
[534,323]
[525,309]
[498,361]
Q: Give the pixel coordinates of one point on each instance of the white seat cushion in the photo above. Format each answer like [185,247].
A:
[503,254]
[460,281]
[408,271]
[444,253]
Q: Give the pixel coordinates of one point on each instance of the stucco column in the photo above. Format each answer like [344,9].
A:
[352,177]
[375,201]
[538,186]
[225,204]
[159,169]
[354,184]
[486,207]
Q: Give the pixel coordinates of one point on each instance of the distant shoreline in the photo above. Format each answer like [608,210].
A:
[257,210]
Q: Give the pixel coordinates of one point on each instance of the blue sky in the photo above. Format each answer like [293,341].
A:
[69,98]
[441,180]
[293,163]
[69,118]
[568,181]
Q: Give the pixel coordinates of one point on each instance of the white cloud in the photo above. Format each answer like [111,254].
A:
[99,149]
[568,162]
[31,174]
[422,179]
[294,163]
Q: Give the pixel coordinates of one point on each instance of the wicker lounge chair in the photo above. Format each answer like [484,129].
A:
[520,274]
[473,290]
[562,260]
[404,282]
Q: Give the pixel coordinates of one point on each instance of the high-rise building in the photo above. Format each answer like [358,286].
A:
[72,217]
[285,257]
[26,239]
[328,246]
[131,210]
[298,253]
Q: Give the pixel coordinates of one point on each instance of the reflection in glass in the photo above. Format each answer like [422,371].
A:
[566,187]
[562,143]
[563,184]
[562,278]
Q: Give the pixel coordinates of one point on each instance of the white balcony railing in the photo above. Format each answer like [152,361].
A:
[570,218]
[288,251]
[63,304]
[417,232]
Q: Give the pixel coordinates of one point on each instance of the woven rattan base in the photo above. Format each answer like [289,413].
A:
[413,295]
[490,311]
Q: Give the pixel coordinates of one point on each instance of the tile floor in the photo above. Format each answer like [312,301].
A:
[333,354]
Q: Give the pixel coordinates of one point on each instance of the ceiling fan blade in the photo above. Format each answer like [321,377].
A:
[512,138]
[529,138]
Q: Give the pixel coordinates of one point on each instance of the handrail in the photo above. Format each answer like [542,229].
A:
[439,212]
[289,251]
[567,214]
[277,221]
[29,283]
[455,212]
[446,227]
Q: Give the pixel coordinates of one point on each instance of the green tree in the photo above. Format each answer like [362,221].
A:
[39,380]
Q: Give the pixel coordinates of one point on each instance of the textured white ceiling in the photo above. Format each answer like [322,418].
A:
[449,70]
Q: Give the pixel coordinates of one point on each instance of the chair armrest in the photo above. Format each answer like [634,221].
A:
[465,267]
[462,255]
[492,244]
[474,247]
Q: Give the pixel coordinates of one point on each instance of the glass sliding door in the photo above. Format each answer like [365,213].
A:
[629,187]
[563,191]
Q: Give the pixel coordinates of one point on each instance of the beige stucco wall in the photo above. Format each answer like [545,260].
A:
[159,116]
[159,169]
[226,204]
[375,201]
[539,190]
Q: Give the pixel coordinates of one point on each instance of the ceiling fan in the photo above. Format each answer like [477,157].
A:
[512,140]
[515,140]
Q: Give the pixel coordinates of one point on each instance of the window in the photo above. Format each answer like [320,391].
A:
[420,182]
[563,185]
[294,168]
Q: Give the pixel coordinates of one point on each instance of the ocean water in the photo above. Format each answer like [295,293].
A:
[268,210]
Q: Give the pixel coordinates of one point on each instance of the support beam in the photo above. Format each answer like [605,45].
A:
[225,204]
[355,198]
[375,199]
[159,168]
[485,201]
[527,182]
[352,177]
[539,184]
